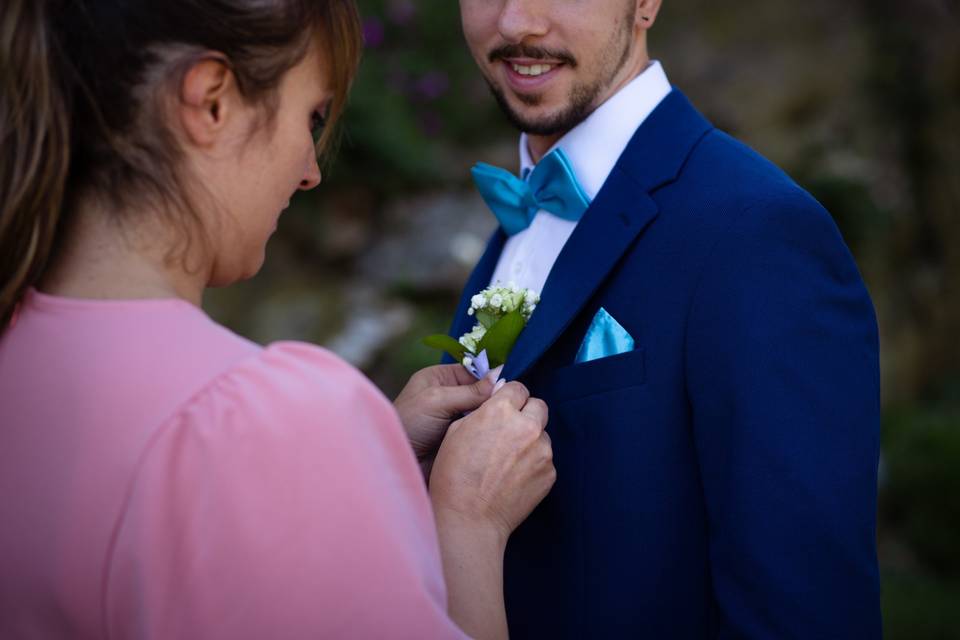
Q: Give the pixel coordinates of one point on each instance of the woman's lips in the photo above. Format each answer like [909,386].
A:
[524,76]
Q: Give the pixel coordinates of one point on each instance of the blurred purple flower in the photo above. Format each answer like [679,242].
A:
[432,85]
[373,32]
[401,12]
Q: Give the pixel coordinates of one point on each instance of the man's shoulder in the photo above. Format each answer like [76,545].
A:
[680,155]
[724,178]
[725,189]
[730,169]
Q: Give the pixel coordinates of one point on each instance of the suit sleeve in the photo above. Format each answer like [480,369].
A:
[783,382]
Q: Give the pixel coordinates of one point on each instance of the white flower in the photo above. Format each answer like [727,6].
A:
[492,304]
[471,340]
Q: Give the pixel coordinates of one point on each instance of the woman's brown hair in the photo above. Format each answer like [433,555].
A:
[81,90]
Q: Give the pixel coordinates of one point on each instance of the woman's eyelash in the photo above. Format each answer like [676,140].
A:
[317,123]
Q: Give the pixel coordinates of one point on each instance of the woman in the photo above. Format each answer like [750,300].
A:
[161,477]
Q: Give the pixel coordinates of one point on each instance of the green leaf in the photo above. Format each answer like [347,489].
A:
[486,318]
[445,343]
[500,338]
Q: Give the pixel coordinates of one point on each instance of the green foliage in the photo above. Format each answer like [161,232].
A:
[920,498]
[486,319]
[417,99]
[447,344]
[500,338]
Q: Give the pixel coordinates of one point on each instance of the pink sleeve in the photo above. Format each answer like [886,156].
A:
[282,502]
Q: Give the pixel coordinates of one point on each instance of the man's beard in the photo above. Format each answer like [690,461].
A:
[583,97]
[580,106]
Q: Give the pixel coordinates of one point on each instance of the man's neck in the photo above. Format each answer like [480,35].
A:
[539,145]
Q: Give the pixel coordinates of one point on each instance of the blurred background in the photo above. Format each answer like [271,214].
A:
[859,101]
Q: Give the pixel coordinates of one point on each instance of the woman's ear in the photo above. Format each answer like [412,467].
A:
[208,98]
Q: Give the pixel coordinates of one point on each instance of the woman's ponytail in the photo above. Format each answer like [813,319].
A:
[34,147]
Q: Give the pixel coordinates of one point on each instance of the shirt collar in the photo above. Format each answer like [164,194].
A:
[594,145]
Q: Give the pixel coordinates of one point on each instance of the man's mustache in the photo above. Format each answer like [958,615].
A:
[534,53]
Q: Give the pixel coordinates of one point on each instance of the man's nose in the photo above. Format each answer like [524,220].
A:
[521,19]
[312,175]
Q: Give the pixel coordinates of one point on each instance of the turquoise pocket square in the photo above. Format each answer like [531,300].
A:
[604,338]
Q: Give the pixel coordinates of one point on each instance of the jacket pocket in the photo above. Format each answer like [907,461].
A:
[597,376]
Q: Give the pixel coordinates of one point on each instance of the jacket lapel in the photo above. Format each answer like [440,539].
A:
[614,220]
[603,234]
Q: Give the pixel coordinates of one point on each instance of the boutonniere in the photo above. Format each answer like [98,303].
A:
[501,313]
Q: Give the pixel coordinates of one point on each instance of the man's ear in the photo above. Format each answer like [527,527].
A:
[208,96]
[647,11]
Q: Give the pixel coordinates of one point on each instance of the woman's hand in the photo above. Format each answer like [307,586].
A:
[493,468]
[496,464]
[432,399]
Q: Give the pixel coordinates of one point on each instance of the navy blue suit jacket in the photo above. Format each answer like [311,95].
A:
[719,481]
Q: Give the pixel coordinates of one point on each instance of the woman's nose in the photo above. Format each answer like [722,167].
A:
[312,175]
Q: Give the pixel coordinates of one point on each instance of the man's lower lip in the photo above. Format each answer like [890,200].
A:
[522,84]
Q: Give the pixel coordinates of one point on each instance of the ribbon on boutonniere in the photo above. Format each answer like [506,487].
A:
[502,313]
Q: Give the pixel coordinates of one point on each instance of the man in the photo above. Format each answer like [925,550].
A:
[705,343]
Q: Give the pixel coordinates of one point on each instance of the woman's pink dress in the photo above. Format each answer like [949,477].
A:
[161,477]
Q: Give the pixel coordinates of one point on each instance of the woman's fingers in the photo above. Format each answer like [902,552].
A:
[513,394]
[497,463]
[536,409]
[499,410]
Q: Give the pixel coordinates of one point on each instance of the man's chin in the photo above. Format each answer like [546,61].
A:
[544,127]
[528,115]
[541,122]
[534,115]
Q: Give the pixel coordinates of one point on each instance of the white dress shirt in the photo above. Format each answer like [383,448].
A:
[593,147]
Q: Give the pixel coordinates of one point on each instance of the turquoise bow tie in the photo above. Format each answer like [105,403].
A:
[551,186]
